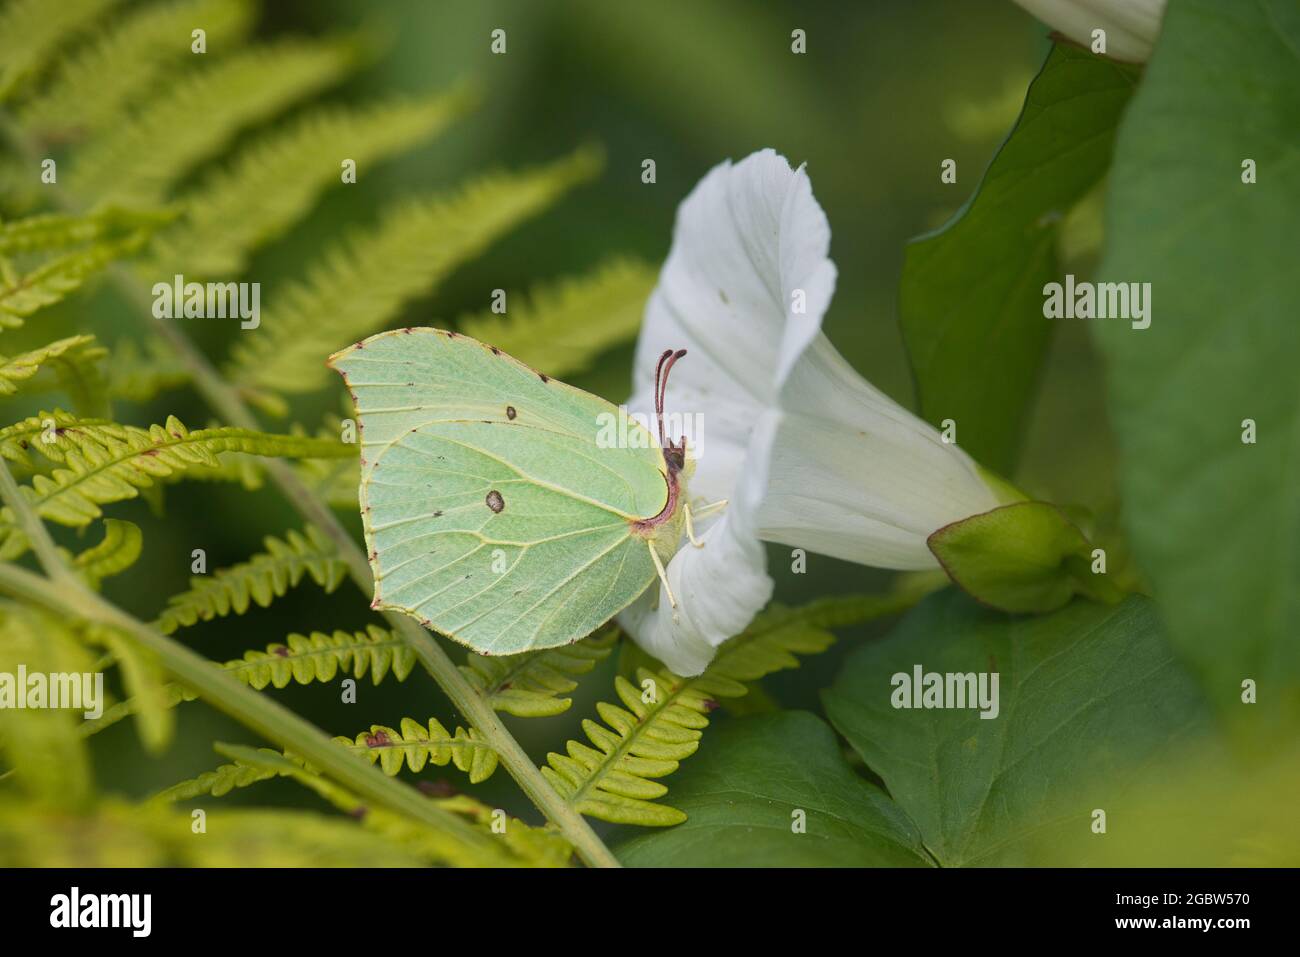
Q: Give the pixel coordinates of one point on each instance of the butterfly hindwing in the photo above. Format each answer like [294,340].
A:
[492,512]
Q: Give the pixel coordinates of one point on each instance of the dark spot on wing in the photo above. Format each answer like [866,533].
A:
[437,514]
[723,295]
[495,501]
[510,412]
[544,377]
[495,350]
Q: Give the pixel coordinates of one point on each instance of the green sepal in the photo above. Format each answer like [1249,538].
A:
[1026,557]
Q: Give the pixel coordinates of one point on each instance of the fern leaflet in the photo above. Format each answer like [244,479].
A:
[566,325]
[118,461]
[660,723]
[89,88]
[264,577]
[141,158]
[530,685]
[31,30]
[364,282]
[286,172]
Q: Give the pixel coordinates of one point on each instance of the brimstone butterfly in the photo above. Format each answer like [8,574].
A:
[493,512]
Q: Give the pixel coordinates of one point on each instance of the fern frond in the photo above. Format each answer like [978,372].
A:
[50,231]
[538,847]
[42,430]
[287,170]
[138,373]
[32,30]
[113,463]
[530,685]
[189,121]
[119,549]
[90,88]
[16,370]
[228,777]
[365,281]
[416,745]
[52,281]
[304,659]
[261,579]
[565,325]
[660,723]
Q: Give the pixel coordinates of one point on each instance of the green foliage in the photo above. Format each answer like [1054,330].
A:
[117,551]
[416,745]
[661,722]
[764,777]
[564,326]
[1214,519]
[319,657]
[41,745]
[358,285]
[530,685]
[30,30]
[1027,557]
[90,87]
[140,372]
[15,370]
[140,159]
[1087,695]
[971,295]
[262,578]
[285,171]
[110,463]
[22,295]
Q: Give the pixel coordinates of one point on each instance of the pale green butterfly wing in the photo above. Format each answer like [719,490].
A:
[491,511]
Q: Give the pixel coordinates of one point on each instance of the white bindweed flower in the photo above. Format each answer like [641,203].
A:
[1131,25]
[806,452]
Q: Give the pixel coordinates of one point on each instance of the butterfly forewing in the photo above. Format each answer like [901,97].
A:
[492,511]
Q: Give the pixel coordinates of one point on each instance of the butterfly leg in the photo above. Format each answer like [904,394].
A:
[663,575]
[703,510]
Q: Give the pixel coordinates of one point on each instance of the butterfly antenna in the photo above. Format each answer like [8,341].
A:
[660,381]
[672,358]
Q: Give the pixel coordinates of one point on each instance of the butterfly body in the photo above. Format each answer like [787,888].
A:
[492,511]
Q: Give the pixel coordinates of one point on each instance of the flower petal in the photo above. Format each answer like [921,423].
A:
[749,248]
[1131,25]
[719,587]
[856,476]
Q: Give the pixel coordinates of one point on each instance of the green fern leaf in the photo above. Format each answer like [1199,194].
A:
[16,370]
[660,723]
[189,121]
[416,745]
[90,88]
[530,685]
[32,30]
[112,463]
[52,281]
[44,430]
[261,579]
[286,171]
[538,847]
[119,549]
[304,659]
[319,657]
[566,325]
[139,373]
[58,231]
[360,285]
[228,777]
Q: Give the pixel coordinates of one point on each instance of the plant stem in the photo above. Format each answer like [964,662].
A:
[32,527]
[67,596]
[226,401]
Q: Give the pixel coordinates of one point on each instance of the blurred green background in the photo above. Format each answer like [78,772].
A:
[885,93]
